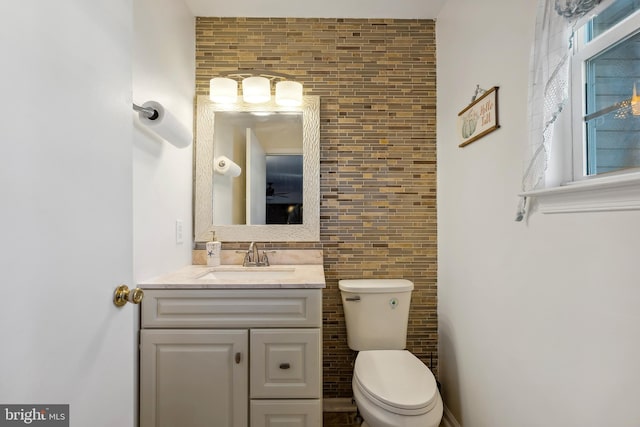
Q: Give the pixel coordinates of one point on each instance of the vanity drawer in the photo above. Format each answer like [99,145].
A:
[214,308]
[293,413]
[285,363]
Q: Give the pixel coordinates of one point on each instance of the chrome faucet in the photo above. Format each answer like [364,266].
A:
[252,257]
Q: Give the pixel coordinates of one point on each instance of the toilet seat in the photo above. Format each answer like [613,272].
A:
[395,380]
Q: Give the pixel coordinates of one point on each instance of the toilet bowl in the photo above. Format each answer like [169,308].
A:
[393,388]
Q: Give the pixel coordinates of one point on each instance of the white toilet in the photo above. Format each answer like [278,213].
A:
[391,386]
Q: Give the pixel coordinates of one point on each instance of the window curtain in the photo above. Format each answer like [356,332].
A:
[548,83]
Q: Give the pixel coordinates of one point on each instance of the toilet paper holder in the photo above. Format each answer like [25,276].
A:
[153,115]
[148,112]
[226,166]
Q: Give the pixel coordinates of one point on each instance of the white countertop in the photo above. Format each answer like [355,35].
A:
[300,276]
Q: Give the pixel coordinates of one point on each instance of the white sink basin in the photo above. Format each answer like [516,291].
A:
[249,274]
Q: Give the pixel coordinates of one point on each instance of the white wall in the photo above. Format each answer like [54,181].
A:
[539,321]
[164,71]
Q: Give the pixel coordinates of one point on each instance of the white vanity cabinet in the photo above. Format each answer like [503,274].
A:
[231,358]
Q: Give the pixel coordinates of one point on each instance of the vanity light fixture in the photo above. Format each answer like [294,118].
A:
[223,90]
[256,88]
[289,93]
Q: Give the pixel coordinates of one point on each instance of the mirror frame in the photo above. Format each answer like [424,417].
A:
[204,226]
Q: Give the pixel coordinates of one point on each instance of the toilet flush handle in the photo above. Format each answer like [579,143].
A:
[356,298]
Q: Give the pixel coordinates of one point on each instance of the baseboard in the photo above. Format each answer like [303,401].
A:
[448,420]
[338,404]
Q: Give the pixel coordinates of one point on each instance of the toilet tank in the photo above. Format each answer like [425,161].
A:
[376,312]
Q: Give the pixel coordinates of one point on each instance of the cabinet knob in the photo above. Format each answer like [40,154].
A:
[123,294]
[285,366]
[238,357]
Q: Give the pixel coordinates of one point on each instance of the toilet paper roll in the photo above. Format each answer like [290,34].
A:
[166,125]
[225,166]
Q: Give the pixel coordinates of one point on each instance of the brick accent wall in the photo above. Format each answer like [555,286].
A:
[377,83]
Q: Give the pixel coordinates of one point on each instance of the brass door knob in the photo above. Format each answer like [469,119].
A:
[123,294]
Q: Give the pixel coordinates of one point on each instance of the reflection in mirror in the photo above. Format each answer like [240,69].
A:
[267,147]
[272,191]
[284,189]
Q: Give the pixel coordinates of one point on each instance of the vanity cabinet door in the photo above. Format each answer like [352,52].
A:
[194,378]
[286,363]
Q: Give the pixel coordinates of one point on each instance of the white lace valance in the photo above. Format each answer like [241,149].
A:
[574,9]
[548,83]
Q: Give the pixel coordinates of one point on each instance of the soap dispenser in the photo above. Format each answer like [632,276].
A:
[213,251]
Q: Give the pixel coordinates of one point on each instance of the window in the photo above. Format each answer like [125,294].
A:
[598,134]
[605,92]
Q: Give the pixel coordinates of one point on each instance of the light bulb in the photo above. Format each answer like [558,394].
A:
[635,102]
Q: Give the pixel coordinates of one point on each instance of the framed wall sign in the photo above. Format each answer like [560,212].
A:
[479,118]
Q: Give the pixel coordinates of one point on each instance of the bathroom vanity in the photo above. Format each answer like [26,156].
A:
[232,346]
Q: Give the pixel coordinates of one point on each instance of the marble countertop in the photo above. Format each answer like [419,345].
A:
[227,276]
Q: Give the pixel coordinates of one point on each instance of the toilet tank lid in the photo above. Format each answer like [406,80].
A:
[375,285]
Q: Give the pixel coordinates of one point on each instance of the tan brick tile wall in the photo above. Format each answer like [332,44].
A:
[377,83]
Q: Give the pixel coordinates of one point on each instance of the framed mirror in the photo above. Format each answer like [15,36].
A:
[257,171]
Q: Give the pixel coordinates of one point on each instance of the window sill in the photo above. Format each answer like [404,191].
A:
[615,193]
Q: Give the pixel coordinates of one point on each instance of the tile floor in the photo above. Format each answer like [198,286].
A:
[339,419]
